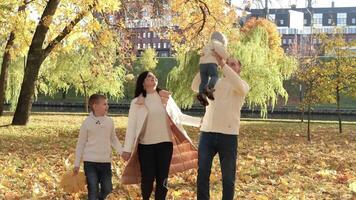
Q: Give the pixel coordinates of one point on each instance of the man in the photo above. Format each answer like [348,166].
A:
[220,129]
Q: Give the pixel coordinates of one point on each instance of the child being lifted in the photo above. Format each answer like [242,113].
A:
[208,66]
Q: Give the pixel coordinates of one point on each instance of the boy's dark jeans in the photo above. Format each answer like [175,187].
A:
[211,143]
[208,70]
[155,160]
[98,174]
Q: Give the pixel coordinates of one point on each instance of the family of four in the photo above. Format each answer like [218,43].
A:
[156,144]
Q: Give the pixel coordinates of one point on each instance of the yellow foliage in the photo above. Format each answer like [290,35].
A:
[274,39]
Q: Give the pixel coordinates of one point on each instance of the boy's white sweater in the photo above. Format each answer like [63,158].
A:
[96,136]
[209,49]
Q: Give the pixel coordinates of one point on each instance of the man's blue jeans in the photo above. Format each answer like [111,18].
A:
[98,173]
[226,146]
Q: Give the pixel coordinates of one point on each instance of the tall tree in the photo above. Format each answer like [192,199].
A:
[257,46]
[38,53]
[315,80]
[148,59]
[340,67]
[7,57]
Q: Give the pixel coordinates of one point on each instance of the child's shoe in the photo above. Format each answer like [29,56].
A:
[209,92]
[202,99]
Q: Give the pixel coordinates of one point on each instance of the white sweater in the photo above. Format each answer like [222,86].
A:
[96,136]
[209,49]
[223,114]
[156,130]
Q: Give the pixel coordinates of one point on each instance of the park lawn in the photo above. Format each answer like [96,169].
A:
[275,161]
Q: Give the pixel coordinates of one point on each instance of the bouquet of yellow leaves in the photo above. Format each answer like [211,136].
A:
[73,183]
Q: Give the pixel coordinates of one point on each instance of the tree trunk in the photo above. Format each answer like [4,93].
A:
[301,103]
[6,63]
[36,56]
[63,94]
[338,108]
[5,70]
[309,116]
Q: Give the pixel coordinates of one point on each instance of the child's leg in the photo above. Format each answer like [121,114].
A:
[105,179]
[213,73]
[204,77]
[92,180]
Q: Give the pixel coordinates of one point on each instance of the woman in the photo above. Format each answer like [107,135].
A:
[156,143]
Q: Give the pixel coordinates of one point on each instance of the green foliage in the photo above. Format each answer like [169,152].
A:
[164,66]
[16,72]
[263,69]
[82,71]
[148,60]
[180,78]
[340,66]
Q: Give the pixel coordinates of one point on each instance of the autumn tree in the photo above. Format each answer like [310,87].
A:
[265,66]
[340,67]
[52,28]
[196,21]
[10,52]
[148,60]
[315,80]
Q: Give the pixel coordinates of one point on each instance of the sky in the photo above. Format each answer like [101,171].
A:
[302,3]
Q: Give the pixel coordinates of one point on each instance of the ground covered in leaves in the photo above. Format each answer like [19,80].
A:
[275,161]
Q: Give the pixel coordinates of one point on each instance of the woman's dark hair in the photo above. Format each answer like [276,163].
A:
[139,84]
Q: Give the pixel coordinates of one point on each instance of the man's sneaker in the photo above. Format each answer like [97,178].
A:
[202,99]
[209,92]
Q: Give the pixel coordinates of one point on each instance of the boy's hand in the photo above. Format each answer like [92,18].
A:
[75,171]
[126,155]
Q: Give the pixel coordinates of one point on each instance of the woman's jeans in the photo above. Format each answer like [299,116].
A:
[155,160]
[98,177]
[211,143]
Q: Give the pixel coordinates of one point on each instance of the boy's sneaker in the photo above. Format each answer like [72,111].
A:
[209,92]
[202,99]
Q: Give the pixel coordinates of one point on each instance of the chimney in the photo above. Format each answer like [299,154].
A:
[333,4]
[293,6]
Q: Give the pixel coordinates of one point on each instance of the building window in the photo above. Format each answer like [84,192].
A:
[164,54]
[272,17]
[149,45]
[138,35]
[138,46]
[341,19]
[330,21]
[353,21]
[154,45]
[159,45]
[144,35]
[281,22]
[144,45]
[289,41]
[154,35]
[148,35]
[305,21]
[318,19]
[164,45]
[284,41]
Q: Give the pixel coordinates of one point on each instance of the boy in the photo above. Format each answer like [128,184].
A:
[208,66]
[96,136]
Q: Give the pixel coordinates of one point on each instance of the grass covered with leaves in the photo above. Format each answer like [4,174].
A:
[275,161]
